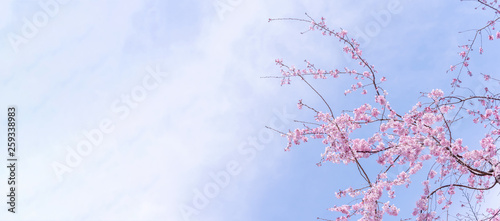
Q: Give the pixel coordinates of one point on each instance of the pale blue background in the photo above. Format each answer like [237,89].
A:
[65,79]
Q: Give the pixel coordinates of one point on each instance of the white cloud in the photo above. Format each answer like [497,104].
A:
[89,55]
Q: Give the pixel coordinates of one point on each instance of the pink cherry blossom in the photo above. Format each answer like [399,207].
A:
[375,138]
[486,77]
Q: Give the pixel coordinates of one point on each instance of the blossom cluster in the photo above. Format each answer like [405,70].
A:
[419,138]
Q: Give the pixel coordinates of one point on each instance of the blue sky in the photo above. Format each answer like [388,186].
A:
[178,88]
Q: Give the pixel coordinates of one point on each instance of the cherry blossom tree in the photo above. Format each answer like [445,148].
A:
[423,137]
